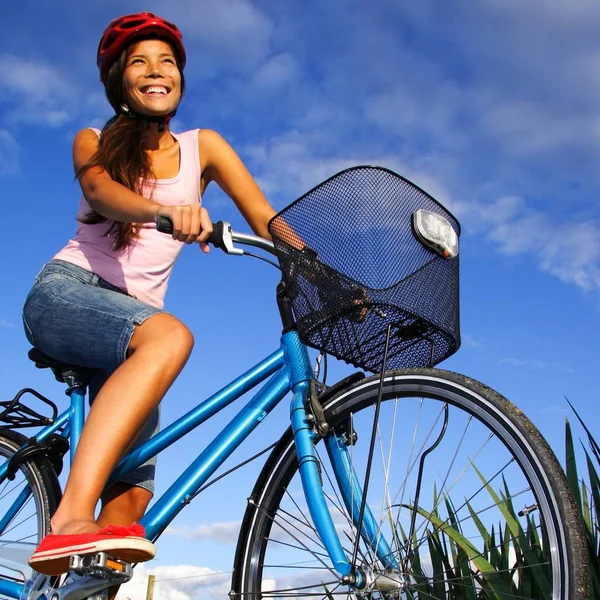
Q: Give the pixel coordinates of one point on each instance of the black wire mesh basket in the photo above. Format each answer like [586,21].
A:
[355,263]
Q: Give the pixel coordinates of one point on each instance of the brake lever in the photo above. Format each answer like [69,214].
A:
[221,237]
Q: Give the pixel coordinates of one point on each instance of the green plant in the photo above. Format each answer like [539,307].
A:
[511,561]
[509,564]
[587,495]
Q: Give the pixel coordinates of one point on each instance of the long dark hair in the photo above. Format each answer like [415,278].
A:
[121,151]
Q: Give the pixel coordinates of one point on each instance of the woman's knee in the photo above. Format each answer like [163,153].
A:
[165,333]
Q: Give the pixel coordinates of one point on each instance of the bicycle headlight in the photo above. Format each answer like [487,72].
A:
[435,232]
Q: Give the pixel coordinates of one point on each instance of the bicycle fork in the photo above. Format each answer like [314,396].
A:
[351,492]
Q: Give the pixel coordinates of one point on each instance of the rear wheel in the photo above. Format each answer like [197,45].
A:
[26,504]
[493,516]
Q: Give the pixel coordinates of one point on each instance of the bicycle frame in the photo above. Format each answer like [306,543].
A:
[287,369]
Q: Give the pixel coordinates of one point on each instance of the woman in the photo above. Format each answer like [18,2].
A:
[99,302]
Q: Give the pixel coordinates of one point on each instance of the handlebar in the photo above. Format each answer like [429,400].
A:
[223,237]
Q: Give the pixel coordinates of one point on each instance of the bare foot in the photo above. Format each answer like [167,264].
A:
[74,527]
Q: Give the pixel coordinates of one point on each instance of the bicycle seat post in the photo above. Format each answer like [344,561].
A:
[77,379]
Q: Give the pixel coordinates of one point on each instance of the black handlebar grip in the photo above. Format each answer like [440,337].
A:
[165,225]
[216,237]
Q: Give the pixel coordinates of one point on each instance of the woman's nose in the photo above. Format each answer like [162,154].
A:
[154,70]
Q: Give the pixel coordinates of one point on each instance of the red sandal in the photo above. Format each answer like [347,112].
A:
[125,543]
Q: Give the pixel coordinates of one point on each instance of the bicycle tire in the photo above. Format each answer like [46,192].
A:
[279,554]
[26,529]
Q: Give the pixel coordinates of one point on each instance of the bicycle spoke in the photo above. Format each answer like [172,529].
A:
[447,522]
[300,542]
[411,466]
[295,527]
[304,521]
[32,515]
[276,541]
[386,503]
[12,490]
[447,492]
[285,592]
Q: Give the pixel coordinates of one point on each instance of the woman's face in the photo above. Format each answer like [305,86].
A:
[152,79]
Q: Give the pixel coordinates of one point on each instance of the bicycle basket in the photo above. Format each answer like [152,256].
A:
[366,266]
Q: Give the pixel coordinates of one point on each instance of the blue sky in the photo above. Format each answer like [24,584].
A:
[490,106]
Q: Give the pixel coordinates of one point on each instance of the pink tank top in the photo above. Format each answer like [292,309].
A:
[143,268]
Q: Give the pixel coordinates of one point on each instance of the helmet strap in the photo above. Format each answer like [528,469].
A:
[161,120]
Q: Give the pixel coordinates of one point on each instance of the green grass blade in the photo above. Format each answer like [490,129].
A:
[439,572]
[520,543]
[593,444]
[511,520]
[466,585]
[488,574]
[586,511]
[456,527]
[594,488]
[571,469]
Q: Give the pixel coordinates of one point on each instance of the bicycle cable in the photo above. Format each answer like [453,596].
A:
[245,462]
[274,264]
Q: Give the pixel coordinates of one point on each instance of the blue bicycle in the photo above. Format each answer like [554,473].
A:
[414,483]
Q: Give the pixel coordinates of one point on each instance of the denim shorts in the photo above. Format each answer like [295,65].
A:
[79,318]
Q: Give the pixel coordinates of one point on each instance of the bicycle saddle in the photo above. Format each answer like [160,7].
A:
[60,369]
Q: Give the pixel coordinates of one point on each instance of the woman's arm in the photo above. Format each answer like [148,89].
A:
[116,202]
[221,164]
[104,195]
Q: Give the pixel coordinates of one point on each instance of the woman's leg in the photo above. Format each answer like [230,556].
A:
[158,350]
[122,504]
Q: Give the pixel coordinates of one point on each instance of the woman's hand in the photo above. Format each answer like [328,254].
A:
[191,223]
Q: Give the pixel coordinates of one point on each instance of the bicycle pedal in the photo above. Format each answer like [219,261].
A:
[100,565]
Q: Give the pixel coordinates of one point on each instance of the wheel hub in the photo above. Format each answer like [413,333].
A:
[386,582]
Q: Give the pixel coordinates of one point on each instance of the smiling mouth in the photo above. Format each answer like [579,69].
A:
[155,90]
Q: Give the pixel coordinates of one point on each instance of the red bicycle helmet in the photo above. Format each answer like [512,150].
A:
[123,30]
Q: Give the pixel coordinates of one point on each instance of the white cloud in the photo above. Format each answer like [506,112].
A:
[220,532]
[569,251]
[7,324]
[37,92]
[496,213]
[528,364]
[290,164]
[411,109]
[231,31]
[524,233]
[573,254]
[177,582]
[468,341]
[278,71]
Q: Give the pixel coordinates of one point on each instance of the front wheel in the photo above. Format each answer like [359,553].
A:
[467,496]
